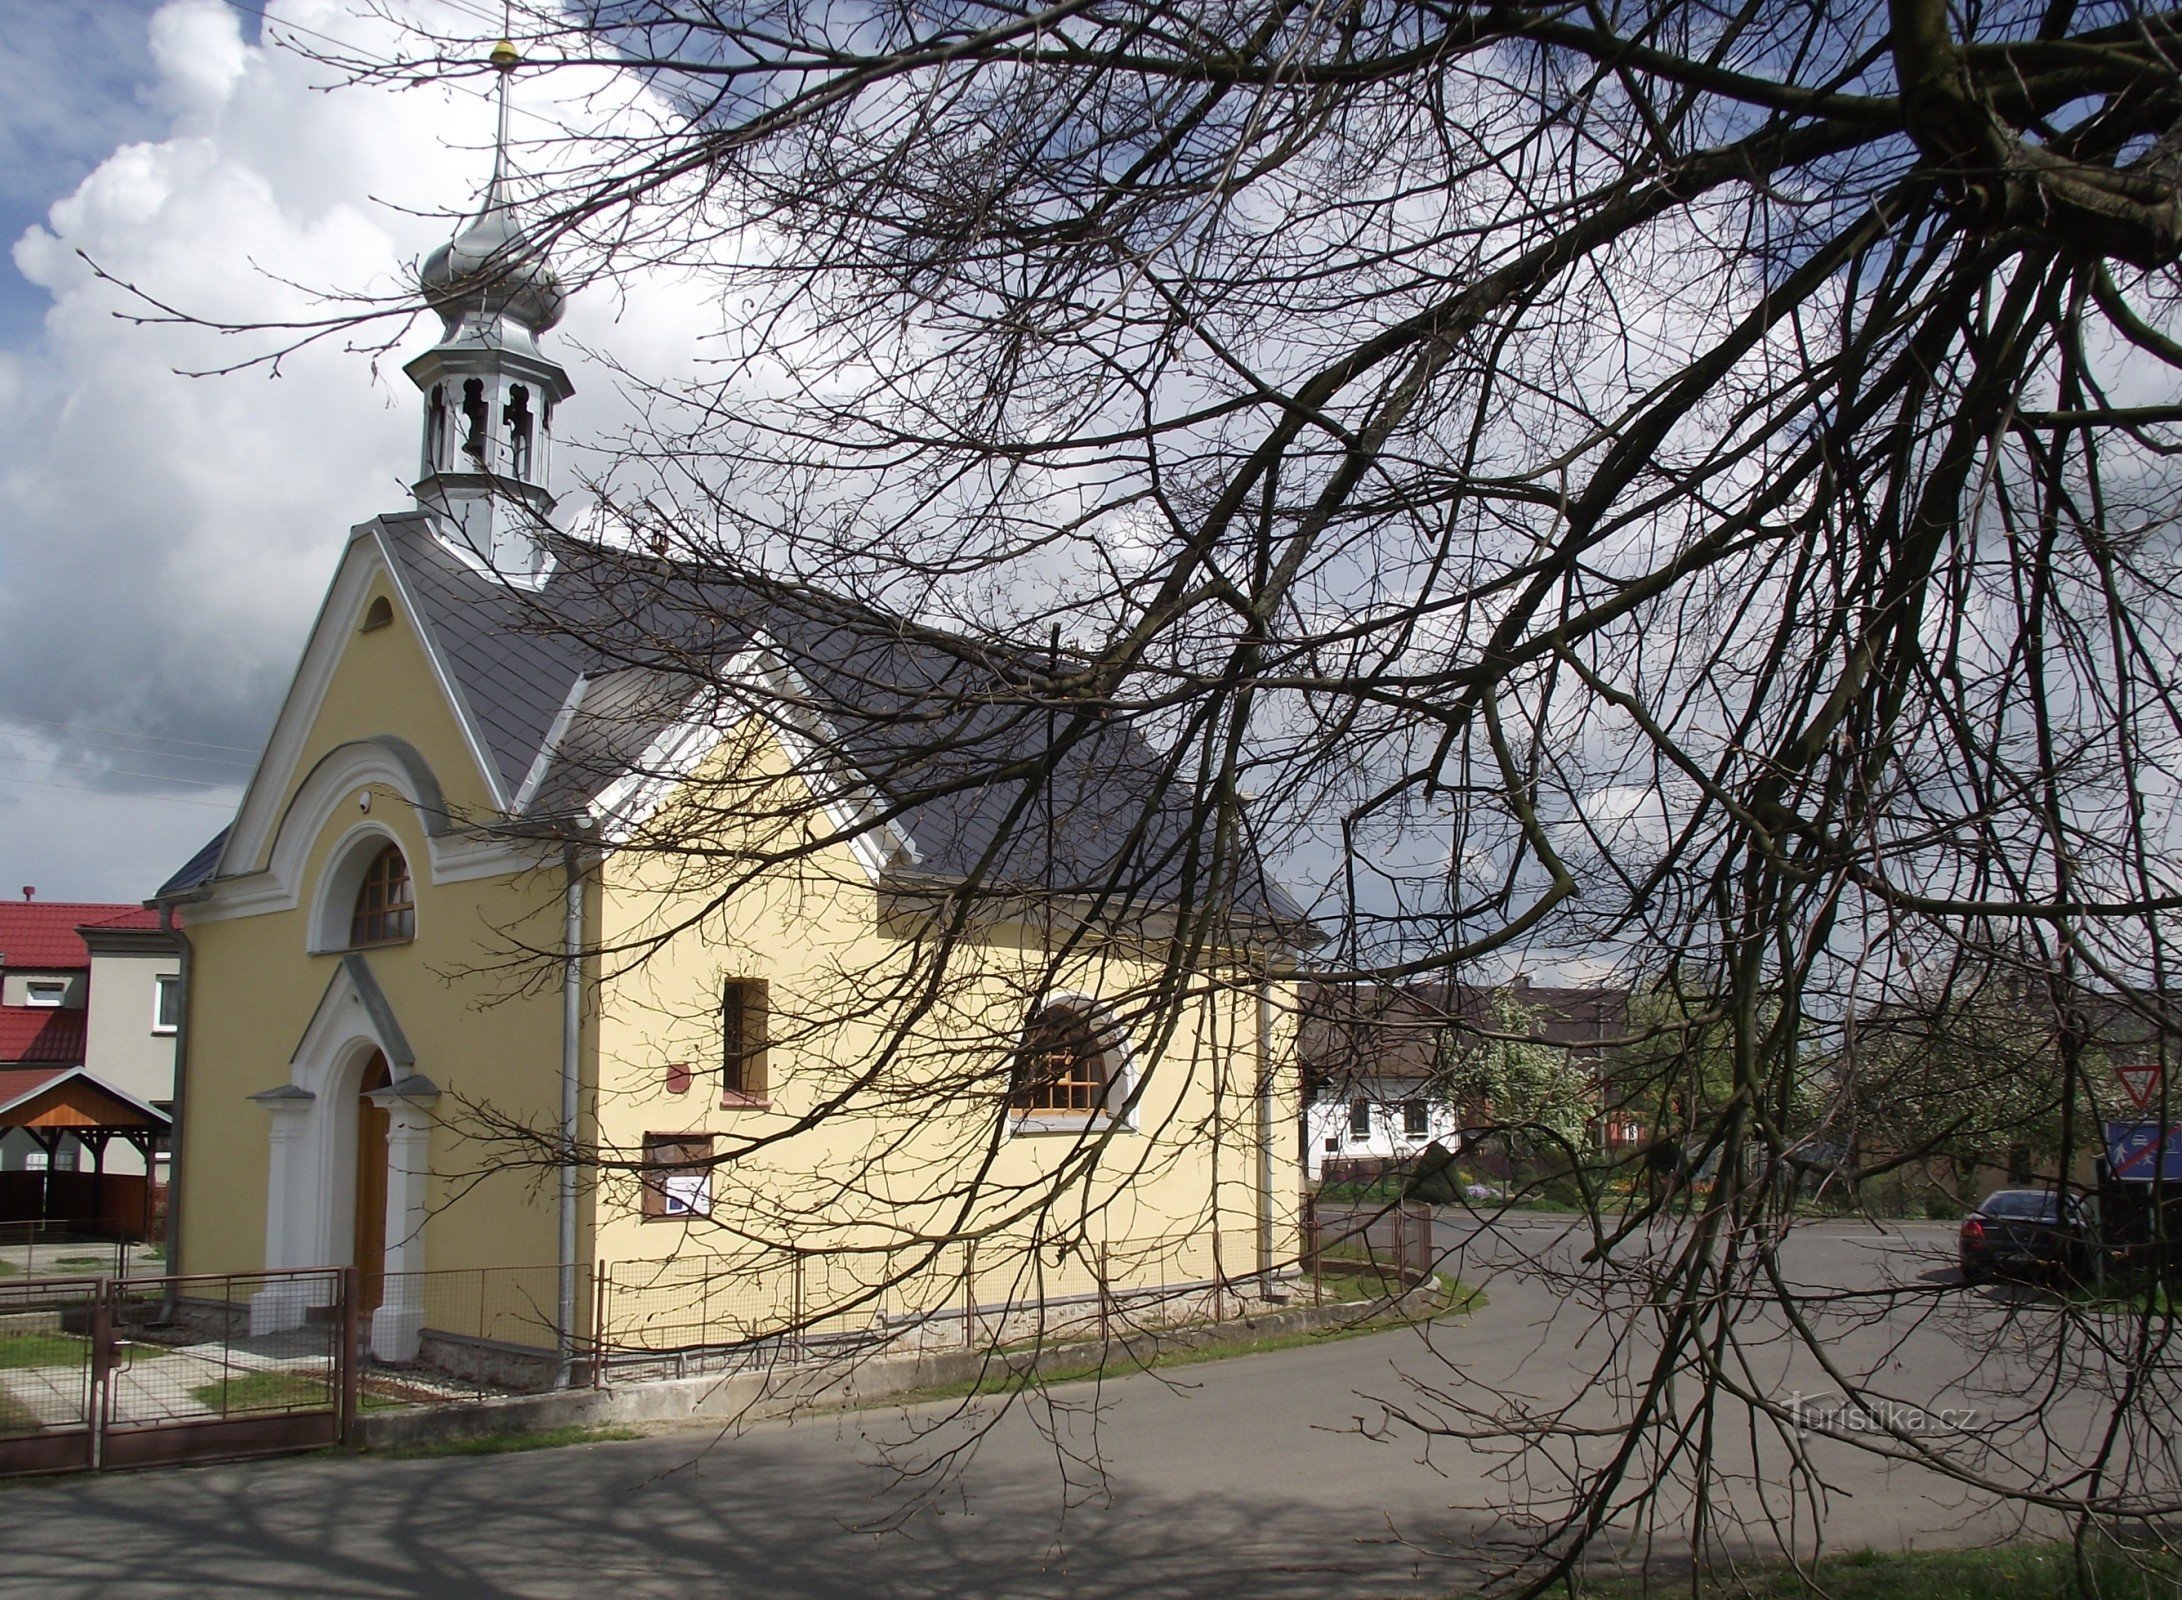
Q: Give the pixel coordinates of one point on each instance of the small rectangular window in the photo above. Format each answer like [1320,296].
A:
[166,1003]
[1415,1123]
[1359,1119]
[677,1176]
[45,992]
[743,1028]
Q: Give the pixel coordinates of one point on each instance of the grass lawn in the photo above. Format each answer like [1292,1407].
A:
[277,1391]
[42,1350]
[1459,1300]
[501,1444]
[66,1350]
[16,1417]
[2035,1570]
[264,1391]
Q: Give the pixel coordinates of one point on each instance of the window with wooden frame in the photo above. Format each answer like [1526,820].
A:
[743,1024]
[1416,1120]
[385,912]
[1063,1064]
[1359,1119]
[677,1176]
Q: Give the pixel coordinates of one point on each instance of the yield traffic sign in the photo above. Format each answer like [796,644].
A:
[2140,1081]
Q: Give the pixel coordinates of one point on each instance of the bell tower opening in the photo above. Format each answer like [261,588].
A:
[518,420]
[475,418]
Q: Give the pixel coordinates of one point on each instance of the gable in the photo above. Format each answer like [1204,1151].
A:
[71,1099]
[379,688]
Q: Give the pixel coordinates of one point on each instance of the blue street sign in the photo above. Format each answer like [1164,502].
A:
[2132,1146]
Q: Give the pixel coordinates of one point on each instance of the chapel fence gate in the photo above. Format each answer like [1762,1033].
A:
[110,1372]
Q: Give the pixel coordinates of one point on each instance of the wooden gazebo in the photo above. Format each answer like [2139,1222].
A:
[53,1103]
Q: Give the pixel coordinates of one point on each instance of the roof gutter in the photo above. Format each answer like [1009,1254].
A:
[571,1075]
[181,1090]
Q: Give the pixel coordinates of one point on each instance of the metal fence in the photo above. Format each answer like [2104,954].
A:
[41,1248]
[111,1372]
[1388,1244]
[496,1330]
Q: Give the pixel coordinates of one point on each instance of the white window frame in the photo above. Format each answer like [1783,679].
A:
[164,984]
[37,990]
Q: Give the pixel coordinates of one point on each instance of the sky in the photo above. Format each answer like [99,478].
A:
[165,539]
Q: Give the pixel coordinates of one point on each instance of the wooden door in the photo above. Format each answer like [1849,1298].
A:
[371,1120]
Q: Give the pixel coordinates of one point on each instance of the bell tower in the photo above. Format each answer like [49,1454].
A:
[489,393]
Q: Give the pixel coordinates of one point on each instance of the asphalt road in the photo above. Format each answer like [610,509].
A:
[1270,1476]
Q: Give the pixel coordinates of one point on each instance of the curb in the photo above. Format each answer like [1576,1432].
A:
[840,1385]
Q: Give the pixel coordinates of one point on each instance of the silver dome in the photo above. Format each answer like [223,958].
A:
[490,269]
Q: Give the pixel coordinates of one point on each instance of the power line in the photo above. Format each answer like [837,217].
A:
[153,777]
[357,53]
[155,799]
[122,733]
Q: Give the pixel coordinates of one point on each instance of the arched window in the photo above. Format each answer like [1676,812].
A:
[435,429]
[476,422]
[1064,1064]
[385,912]
[517,415]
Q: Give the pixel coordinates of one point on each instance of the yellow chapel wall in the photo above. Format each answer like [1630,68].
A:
[255,987]
[856,1164]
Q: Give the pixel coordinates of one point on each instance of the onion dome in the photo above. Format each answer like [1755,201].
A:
[491,269]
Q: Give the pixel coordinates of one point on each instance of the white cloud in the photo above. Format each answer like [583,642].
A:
[164,540]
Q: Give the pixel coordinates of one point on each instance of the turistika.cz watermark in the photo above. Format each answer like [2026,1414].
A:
[1832,1413]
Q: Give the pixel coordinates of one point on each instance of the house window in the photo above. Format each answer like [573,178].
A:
[743,1018]
[1062,1063]
[1359,1119]
[677,1176]
[46,992]
[1415,1123]
[1333,1147]
[166,1003]
[385,913]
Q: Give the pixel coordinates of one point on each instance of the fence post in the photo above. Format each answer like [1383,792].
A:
[352,1367]
[602,1275]
[1106,1330]
[1309,1220]
[969,1294]
[801,1346]
[102,1367]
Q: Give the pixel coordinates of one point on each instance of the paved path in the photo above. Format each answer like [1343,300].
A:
[1267,1477]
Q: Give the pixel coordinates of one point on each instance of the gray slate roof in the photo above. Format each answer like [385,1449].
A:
[926,723]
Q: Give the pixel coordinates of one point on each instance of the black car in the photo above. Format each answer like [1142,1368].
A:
[2026,1233]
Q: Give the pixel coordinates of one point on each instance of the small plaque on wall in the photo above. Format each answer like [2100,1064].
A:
[678,1077]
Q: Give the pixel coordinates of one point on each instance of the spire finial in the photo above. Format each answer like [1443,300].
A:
[504,60]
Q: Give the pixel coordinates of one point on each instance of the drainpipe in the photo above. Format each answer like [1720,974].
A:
[571,1068]
[1265,1131]
[174,1110]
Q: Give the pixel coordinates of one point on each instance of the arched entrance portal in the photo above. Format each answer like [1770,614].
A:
[371,1162]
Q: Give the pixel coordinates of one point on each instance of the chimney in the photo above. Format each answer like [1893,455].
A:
[30,892]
